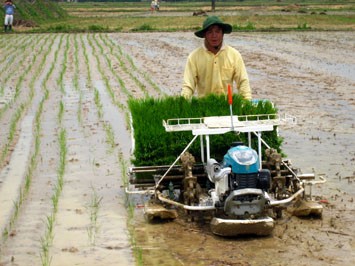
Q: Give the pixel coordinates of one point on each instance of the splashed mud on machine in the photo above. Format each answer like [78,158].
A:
[243,193]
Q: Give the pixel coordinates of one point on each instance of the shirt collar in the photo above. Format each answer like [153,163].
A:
[222,47]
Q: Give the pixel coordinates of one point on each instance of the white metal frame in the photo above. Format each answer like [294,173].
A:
[216,125]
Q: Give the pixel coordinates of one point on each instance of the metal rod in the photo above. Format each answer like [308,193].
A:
[202,149]
[259,149]
[288,200]
[283,162]
[231,111]
[208,147]
[186,207]
[177,159]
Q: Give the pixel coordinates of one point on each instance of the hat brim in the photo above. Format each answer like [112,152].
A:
[227,28]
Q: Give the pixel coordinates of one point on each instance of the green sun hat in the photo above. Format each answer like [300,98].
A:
[213,20]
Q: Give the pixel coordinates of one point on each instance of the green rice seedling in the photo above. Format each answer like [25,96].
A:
[102,72]
[25,51]
[137,251]
[55,198]
[76,78]
[156,147]
[93,208]
[49,73]
[79,112]
[16,211]
[44,254]
[98,104]
[50,219]
[133,70]
[12,130]
[33,163]
[108,60]
[28,179]
[86,60]
[47,240]
[62,159]
[5,233]
[76,64]
[104,77]
[64,66]
[14,122]
[110,137]
[61,112]
[123,166]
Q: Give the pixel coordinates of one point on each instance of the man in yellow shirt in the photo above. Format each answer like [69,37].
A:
[210,68]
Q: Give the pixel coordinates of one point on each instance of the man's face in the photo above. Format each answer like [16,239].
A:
[214,36]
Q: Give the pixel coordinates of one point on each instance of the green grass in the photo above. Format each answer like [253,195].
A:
[136,17]
[38,11]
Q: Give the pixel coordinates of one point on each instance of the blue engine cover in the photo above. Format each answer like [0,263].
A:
[242,160]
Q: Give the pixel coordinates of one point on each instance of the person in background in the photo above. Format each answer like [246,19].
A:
[215,65]
[9,15]
[154,6]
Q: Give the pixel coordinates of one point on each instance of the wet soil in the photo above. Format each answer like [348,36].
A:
[87,78]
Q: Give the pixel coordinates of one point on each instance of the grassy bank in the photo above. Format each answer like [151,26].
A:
[178,16]
[33,13]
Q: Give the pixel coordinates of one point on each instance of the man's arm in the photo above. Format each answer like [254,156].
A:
[189,82]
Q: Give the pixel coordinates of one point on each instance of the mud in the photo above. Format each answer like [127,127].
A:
[91,76]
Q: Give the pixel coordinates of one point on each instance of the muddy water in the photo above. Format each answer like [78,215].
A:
[308,75]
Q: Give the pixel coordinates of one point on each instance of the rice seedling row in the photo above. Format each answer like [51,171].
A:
[48,221]
[131,69]
[10,71]
[123,164]
[16,62]
[47,239]
[33,159]
[8,60]
[102,72]
[21,108]
[89,80]
[124,68]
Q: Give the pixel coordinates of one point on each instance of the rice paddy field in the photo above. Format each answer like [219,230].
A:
[66,144]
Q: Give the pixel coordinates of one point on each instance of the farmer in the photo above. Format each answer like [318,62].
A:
[211,67]
[9,14]
[154,6]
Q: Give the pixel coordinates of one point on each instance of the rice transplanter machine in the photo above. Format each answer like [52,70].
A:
[243,193]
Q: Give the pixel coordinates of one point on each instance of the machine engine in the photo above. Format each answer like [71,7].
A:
[240,187]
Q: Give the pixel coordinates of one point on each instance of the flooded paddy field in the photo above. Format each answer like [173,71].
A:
[66,144]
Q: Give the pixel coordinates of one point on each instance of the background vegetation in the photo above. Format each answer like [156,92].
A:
[36,12]
[133,16]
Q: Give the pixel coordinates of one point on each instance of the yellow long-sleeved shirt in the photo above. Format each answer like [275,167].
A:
[211,73]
